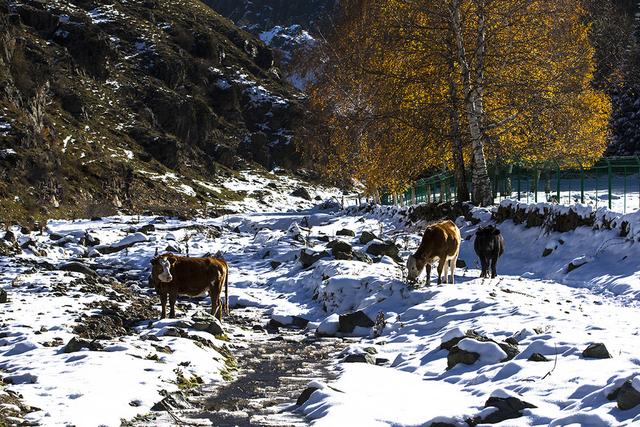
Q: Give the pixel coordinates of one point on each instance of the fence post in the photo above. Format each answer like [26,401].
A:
[581,184]
[610,177]
[518,187]
[558,184]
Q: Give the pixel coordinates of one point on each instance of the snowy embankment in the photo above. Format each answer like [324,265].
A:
[422,365]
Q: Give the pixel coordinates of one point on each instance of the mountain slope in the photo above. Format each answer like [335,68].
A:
[124,104]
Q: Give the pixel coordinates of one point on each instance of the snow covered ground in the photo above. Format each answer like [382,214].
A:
[535,302]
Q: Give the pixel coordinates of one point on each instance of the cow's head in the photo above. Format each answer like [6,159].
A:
[488,231]
[164,265]
[414,268]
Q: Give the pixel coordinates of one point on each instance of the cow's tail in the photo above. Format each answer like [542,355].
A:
[226,291]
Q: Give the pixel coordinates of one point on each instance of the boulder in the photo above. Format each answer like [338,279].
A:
[385,248]
[172,401]
[308,258]
[305,395]
[301,192]
[147,228]
[348,322]
[10,237]
[206,322]
[341,250]
[460,263]
[596,351]
[346,232]
[575,264]
[547,252]
[362,257]
[537,357]
[3,296]
[508,408]
[367,237]
[77,344]
[275,264]
[78,267]
[627,397]
[456,356]
[360,358]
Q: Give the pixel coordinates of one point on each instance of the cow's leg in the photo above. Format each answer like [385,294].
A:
[428,272]
[441,263]
[445,271]
[452,268]
[215,302]
[172,304]
[494,271]
[163,304]
[484,261]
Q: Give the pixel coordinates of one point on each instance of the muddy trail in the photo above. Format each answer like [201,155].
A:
[274,367]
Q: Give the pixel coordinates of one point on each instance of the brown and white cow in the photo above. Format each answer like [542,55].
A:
[440,241]
[173,275]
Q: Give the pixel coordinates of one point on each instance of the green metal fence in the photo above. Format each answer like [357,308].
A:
[613,182]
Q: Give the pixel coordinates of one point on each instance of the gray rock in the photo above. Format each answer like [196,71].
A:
[341,250]
[460,263]
[547,252]
[77,344]
[360,358]
[147,228]
[207,323]
[275,264]
[537,357]
[627,397]
[301,192]
[346,232]
[456,355]
[362,257]
[596,351]
[367,237]
[171,248]
[3,296]
[508,408]
[9,236]
[78,267]
[573,265]
[387,248]
[348,322]
[172,401]
[305,395]
[308,258]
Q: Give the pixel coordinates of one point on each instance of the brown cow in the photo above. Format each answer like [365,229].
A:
[174,275]
[441,241]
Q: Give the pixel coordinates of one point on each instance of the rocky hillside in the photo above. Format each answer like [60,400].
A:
[289,28]
[132,104]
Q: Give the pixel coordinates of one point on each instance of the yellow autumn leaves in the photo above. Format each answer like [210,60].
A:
[406,87]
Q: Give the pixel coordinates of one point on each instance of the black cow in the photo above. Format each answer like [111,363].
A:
[489,245]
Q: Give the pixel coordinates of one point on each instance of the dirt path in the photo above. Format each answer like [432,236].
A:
[274,368]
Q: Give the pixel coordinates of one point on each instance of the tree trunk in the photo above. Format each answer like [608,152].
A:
[462,192]
[482,194]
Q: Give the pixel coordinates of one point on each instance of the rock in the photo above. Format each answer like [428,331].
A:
[27,243]
[171,248]
[367,237]
[275,264]
[295,322]
[460,263]
[360,358]
[206,322]
[456,356]
[77,344]
[448,345]
[25,230]
[172,401]
[596,351]
[576,263]
[308,258]
[387,248]
[301,192]
[341,250]
[346,232]
[511,350]
[78,267]
[9,236]
[147,228]
[547,252]
[508,408]
[626,396]
[55,236]
[305,395]
[348,322]
[362,257]
[3,296]
[511,341]
[537,357]
[89,240]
